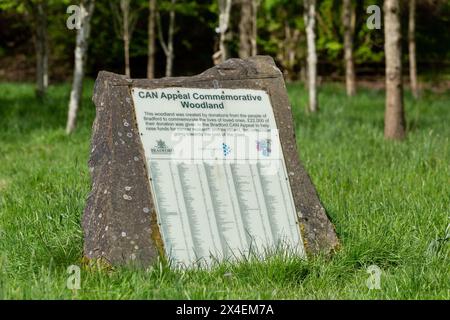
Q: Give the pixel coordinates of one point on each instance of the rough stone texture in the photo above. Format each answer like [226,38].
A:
[119,219]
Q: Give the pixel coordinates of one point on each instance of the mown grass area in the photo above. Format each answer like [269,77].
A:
[389,201]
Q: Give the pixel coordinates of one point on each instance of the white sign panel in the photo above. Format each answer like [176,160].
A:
[217,173]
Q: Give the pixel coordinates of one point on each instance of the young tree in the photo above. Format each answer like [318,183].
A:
[394,119]
[81,46]
[248,28]
[125,21]
[36,14]
[168,46]
[348,21]
[151,39]
[38,10]
[254,38]
[223,30]
[288,50]
[310,22]
[283,35]
[412,48]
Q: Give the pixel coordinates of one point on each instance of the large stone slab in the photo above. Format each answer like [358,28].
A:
[120,220]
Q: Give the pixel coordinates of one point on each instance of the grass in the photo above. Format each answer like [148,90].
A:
[389,201]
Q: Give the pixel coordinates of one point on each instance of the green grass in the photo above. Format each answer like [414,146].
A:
[389,202]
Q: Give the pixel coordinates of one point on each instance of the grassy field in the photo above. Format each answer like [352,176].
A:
[390,203]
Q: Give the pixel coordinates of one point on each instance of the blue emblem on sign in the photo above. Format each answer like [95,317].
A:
[226,149]
[264,147]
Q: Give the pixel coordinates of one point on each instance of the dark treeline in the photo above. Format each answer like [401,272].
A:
[280,33]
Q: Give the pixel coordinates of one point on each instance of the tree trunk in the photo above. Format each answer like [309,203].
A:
[394,119]
[125,8]
[254,36]
[412,48]
[291,40]
[248,29]
[310,21]
[39,13]
[287,50]
[348,21]
[224,20]
[126,43]
[245,29]
[170,50]
[87,9]
[151,40]
[168,47]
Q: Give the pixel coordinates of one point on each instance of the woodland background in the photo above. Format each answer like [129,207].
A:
[280,29]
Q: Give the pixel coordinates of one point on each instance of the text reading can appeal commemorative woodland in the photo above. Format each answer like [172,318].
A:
[202,100]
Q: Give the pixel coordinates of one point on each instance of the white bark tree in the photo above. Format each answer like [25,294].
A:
[310,22]
[348,21]
[168,46]
[412,48]
[81,47]
[223,30]
[125,21]
[394,118]
[151,39]
[254,38]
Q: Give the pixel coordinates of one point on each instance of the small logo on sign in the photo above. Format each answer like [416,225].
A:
[264,147]
[226,149]
[161,148]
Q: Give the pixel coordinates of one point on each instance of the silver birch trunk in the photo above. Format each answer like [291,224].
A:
[168,47]
[170,51]
[82,40]
[348,18]
[151,40]
[310,22]
[412,48]
[394,119]
[224,21]
[124,20]
[254,37]
[125,8]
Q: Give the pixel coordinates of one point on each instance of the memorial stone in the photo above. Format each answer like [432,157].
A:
[199,169]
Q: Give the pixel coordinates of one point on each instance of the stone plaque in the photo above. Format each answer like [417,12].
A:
[217,173]
[199,169]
